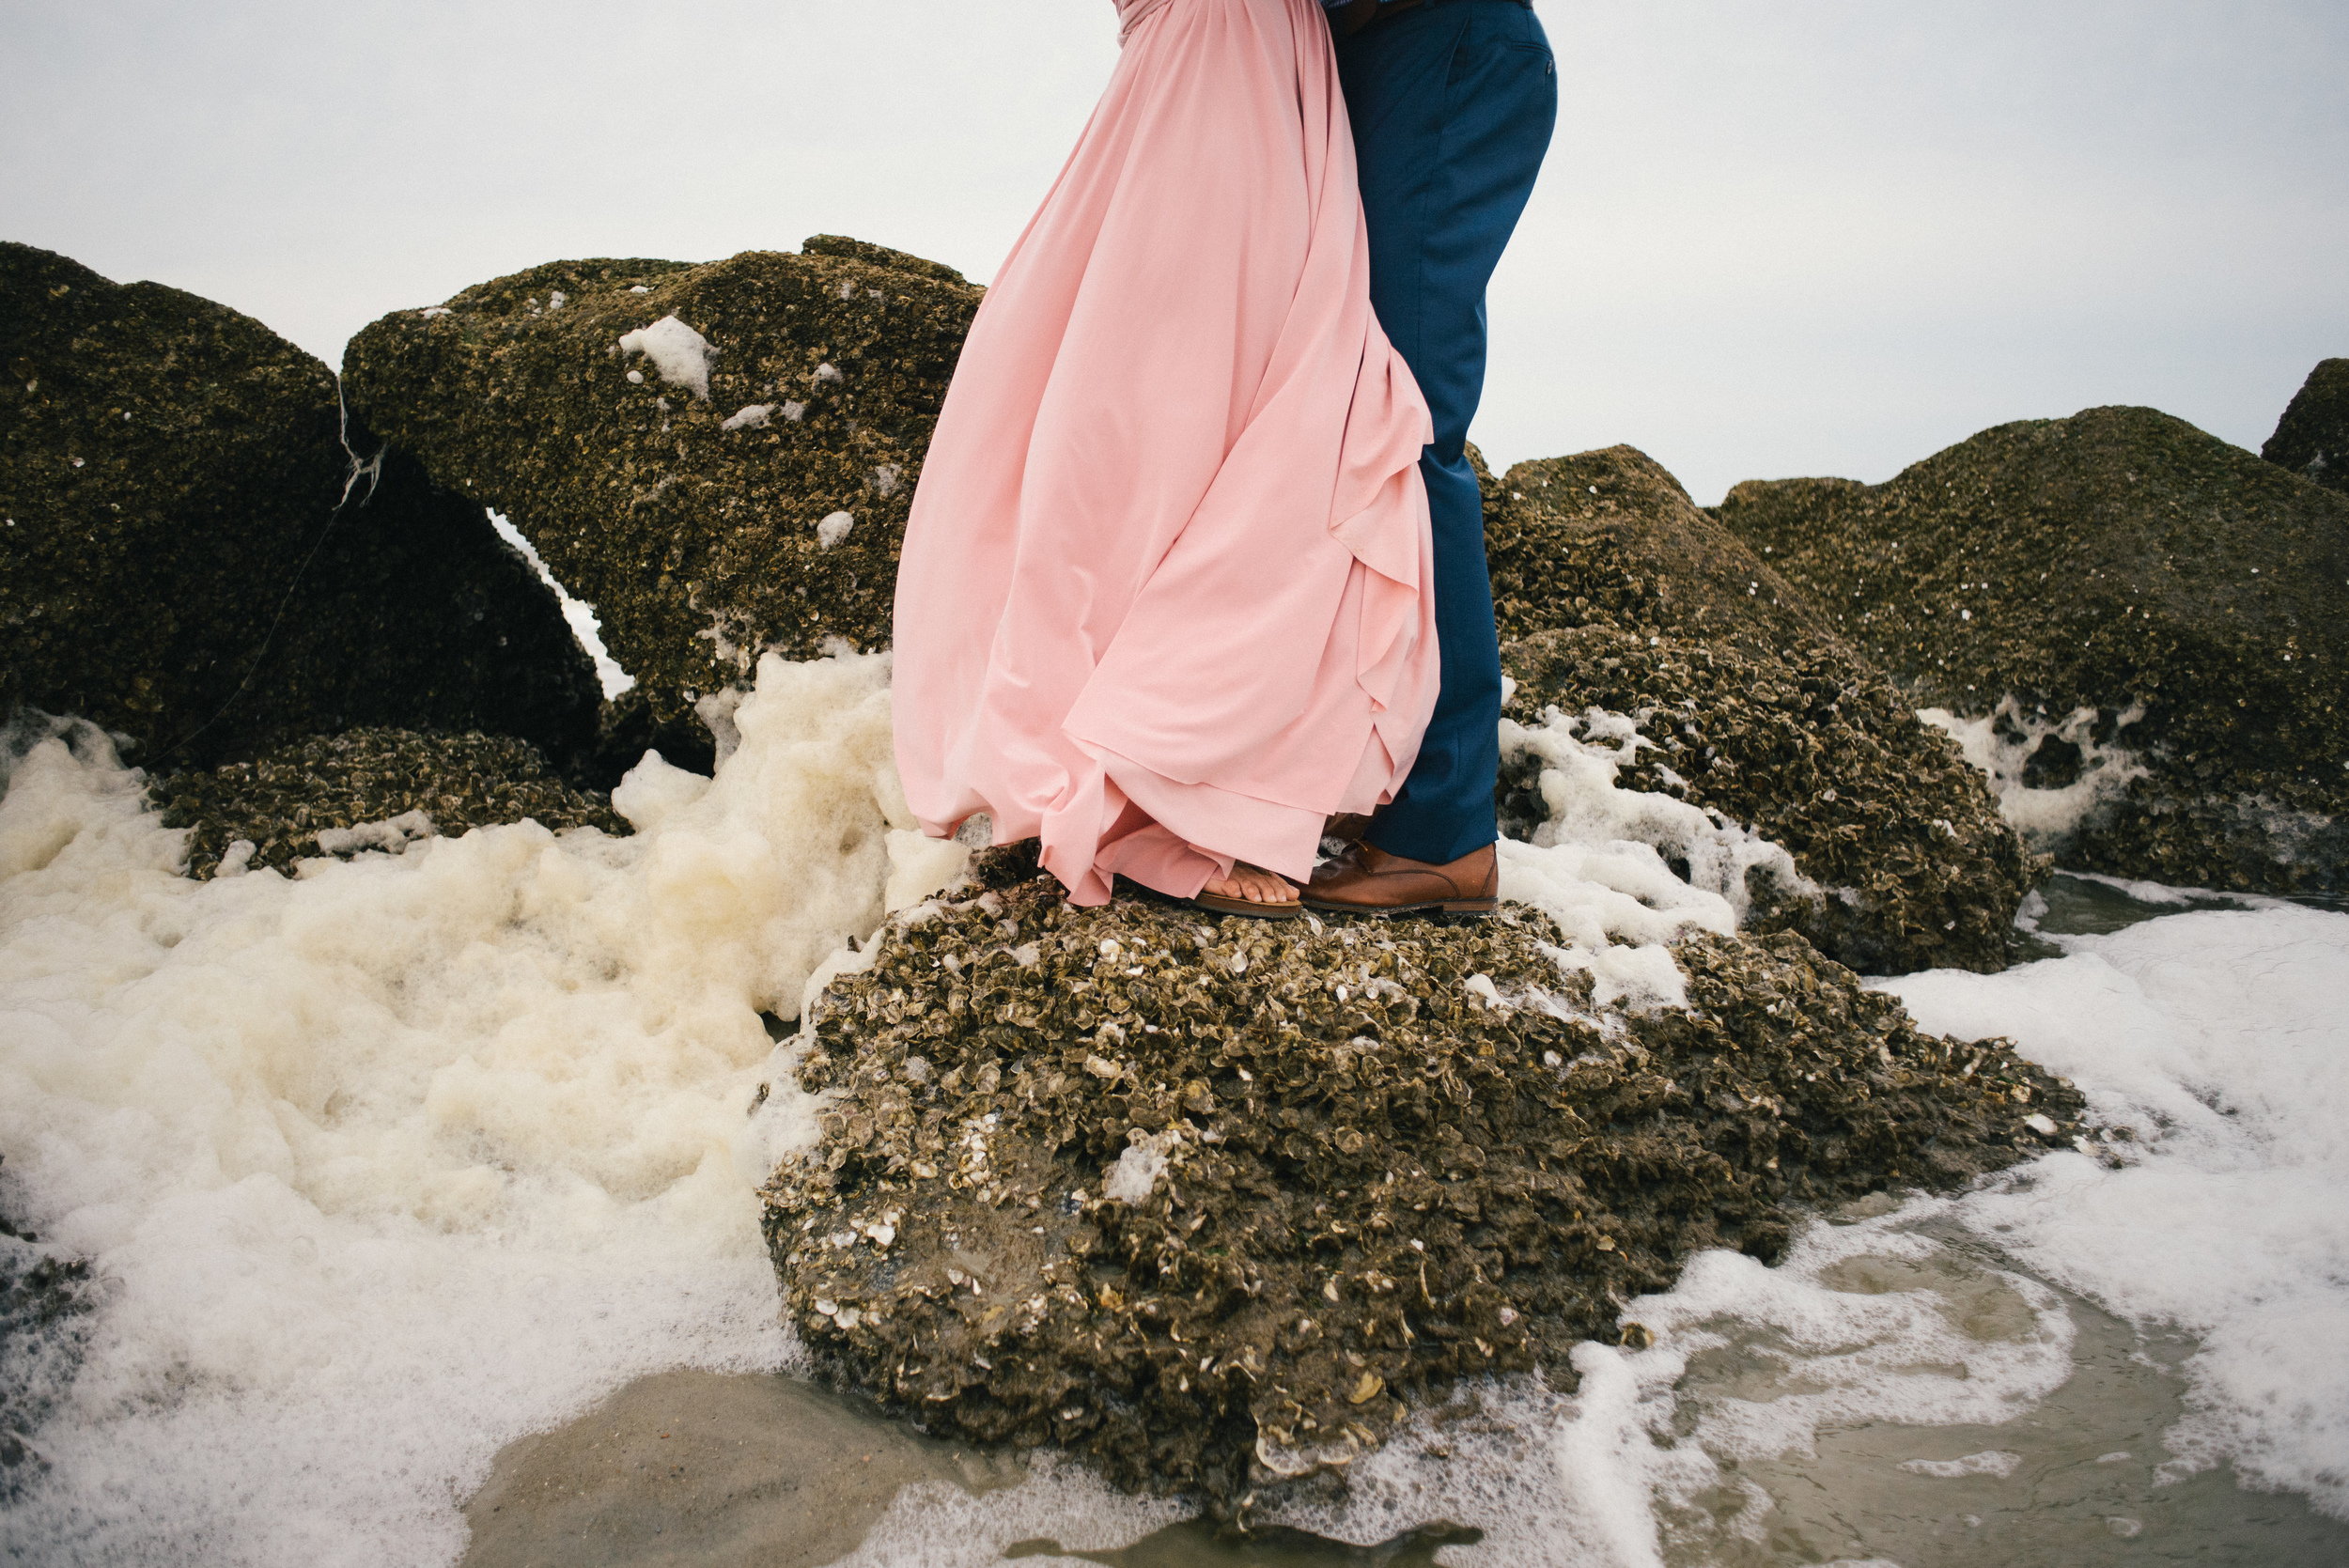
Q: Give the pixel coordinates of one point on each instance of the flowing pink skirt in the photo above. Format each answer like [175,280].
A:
[1165,600]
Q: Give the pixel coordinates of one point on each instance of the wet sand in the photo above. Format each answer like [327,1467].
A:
[705,1469]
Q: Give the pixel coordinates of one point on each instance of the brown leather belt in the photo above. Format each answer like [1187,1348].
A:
[1359,14]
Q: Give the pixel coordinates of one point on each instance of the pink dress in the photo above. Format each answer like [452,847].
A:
[1165,600]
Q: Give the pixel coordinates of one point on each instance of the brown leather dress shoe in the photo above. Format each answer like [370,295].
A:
[1366,880]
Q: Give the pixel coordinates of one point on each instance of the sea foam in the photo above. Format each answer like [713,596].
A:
[2219,1041]
[388,1163]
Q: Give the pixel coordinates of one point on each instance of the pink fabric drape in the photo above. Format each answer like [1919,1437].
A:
[1164,600]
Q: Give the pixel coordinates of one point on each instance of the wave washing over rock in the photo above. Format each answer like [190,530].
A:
[404,1086]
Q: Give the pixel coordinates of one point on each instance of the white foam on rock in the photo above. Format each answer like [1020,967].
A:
[577,612]
[393,835]
[1598,864]
[386,1166]
[680,353]
[1131,1176]
[2045,817]
[921,866]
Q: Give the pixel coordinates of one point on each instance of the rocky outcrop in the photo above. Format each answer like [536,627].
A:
[2312,438]
[368,789]
[192,558]
[1609,539]
[1621,595]
[1814,751]
[718,457]
[1217,1203]
[2135,627]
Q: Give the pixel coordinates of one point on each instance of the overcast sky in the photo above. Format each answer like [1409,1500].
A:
[1815,236]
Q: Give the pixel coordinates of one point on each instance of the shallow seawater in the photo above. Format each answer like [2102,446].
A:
[2077,1479]
[1798,1473]
[2095,906]
[413,1198]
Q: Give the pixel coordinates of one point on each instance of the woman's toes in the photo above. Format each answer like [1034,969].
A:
[1254,885]
[1271,889]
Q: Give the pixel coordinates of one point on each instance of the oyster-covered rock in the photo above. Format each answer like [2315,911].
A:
[1625,597]
[1609,539]
[192,555]
[718,457]
[368,789]
[1214,1203]
[2138,630]
[2313,436]
[1813,751]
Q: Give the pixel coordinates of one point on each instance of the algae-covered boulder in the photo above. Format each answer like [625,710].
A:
[191,556]
[368,789]
[1215,1203]
[718,457]
[1609,539]
[2138,629]
[1814,751]
[2312,438]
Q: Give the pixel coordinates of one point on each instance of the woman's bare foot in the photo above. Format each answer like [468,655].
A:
[1252,883]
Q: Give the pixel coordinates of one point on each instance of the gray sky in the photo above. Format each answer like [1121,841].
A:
[1815,236]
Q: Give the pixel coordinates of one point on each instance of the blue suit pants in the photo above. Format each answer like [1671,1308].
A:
[1453,103]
